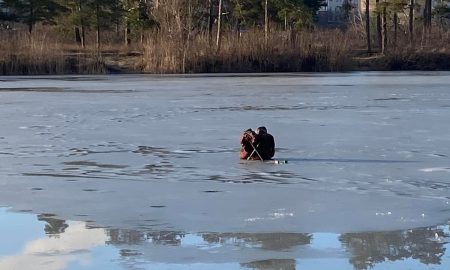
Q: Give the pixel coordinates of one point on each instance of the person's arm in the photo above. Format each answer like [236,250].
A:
[243,154]
[271,148]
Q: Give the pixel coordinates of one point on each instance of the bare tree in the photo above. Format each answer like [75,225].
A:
[219,24]
[210,19]
[411,22]
[395,28]
[266,24]
[369,49]
[379,36]
[426,21]
[427,14]
[385,32]
[97,18]
[82,24]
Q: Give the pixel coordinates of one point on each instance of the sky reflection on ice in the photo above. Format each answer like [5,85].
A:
[57,244]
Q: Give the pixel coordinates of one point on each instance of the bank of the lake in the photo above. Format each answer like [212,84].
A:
[326,50]
[117,62]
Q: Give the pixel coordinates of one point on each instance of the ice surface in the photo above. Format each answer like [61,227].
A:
[366,151]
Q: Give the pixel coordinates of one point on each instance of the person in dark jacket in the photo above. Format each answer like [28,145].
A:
[257,145]
[266,143]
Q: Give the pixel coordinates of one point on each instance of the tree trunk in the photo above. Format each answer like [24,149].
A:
[210,20]
[127,32]
[189,23]
[125,36]
[219,23]
[293,37]
[411,22]
[30,28]
[77,35]
[395,29]
[97,15]
[385,37]
[186,47]
[369,49]
[427,15]
[428,20]
[379,36]
[266,24]
[83,35]
[31,19]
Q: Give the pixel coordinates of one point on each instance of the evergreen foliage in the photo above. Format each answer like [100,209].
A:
[31,12]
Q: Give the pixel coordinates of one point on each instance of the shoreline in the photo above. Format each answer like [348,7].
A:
[133,63]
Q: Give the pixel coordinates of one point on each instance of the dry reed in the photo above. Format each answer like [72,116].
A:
[171,52]
[21,54]
[248,52]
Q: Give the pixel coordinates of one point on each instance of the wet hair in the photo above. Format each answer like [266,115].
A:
[261,130]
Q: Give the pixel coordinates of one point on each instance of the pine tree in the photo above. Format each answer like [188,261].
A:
[396,7]
[31,12]
[293,13]
[103,11]
[248,13]
[298,13]
[138,17]
[79,16]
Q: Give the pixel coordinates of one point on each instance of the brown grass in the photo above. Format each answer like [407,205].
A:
[316,51]
[247,53]
[41,54]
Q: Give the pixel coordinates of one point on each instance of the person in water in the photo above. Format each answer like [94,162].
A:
[248,141]
[266,146]
[257,145]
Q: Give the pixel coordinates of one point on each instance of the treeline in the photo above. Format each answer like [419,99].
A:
[391,15]
[183,36]
[182,17]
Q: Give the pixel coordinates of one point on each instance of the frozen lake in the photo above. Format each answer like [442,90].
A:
[142,172]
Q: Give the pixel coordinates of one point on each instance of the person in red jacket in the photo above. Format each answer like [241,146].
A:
[257,145]
[248,140]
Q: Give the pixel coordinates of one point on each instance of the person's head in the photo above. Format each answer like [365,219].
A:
[261,130]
